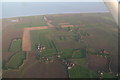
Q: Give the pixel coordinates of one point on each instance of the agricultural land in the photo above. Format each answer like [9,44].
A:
[83,45]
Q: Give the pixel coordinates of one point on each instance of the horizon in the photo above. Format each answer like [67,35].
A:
[16,9]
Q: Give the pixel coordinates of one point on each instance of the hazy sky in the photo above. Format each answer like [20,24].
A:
[52,0]
[13,9]
[55,0]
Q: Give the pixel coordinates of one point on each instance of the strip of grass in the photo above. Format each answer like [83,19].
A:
[16,60]
[16,46]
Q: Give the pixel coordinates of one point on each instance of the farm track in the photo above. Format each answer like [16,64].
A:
[26,43]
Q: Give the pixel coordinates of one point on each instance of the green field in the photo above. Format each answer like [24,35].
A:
[79,54]
[16,60]
[80,61]
[16,46]
[42,37]
[48,53]
[81,72]
[108,75]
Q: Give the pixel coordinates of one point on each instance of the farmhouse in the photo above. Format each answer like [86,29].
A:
[70,65]
[40,47]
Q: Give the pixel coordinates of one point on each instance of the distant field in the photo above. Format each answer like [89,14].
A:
[82,18]
[32,21]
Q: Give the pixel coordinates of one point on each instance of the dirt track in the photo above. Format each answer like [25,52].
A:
[26,44]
